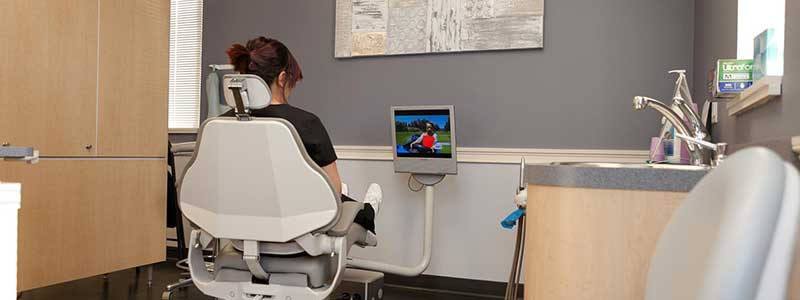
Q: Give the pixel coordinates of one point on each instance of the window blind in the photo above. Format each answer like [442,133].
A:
[186,40]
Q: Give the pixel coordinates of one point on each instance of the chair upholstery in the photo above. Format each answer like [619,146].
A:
[255,92]
[777,270]
[318,269]
[250,175]
[734,235]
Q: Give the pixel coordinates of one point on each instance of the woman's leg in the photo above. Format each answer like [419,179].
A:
[365,217]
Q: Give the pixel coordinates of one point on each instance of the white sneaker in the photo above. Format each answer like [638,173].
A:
[371,240]
[374,197]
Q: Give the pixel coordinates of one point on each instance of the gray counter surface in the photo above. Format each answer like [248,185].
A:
[652,179]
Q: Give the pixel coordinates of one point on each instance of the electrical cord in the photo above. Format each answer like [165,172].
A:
[421,186]
[521,257]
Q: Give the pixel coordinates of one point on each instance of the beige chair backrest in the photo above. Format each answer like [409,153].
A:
[734,236]
[253,180]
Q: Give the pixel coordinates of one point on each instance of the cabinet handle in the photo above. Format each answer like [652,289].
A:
[26,154]
[88,146]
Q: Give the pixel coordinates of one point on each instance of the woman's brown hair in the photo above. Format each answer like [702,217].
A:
[266,58]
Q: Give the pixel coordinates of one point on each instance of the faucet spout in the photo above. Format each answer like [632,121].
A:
[641,102]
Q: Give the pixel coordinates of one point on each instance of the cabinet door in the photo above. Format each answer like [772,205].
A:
[134,77]
[48,75]
[81,218]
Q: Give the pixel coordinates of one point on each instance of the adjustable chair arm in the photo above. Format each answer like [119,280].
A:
[347,214]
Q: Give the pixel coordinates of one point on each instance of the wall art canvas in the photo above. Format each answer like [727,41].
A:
[398,27]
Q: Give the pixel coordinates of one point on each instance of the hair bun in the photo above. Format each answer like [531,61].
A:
[239,57]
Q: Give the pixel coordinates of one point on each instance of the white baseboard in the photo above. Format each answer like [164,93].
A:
[504,155]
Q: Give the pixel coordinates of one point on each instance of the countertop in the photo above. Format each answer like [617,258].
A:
[651,179]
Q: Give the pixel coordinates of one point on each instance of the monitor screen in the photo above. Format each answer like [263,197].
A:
[423,133]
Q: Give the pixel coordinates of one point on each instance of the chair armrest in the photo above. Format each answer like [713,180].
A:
[347,214]
[183,147]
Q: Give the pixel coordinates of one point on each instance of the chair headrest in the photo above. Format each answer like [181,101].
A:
[251,89]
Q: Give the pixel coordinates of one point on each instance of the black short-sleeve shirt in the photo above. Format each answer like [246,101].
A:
[313,134]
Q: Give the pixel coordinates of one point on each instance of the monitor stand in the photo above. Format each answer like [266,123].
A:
[429,181]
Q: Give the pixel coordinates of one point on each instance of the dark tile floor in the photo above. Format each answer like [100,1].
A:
[126,285]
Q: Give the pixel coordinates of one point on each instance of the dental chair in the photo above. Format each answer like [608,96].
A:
[735,235]
[251,186]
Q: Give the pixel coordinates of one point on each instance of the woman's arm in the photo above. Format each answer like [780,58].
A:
[333,174]
[419,140]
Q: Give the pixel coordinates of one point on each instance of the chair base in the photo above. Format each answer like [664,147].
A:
[360,285]
[167,294]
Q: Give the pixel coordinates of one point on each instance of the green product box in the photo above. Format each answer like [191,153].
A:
[733,77]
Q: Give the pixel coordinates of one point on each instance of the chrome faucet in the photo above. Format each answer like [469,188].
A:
[694,133]
[682,99]
[718,148]
[641,102]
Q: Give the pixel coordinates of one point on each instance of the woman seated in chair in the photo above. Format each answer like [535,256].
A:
[272,61]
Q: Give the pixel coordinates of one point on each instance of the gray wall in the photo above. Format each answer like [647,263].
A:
[574,93]
[715,37]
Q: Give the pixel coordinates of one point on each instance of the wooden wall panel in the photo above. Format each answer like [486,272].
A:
[81,218]
[134,77]
[48,75]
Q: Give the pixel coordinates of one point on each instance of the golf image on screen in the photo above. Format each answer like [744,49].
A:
[424,133]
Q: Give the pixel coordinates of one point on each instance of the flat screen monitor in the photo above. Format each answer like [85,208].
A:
[424,139]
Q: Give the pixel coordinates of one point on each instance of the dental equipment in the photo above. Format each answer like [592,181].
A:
[517,218]
[220,67]
[215,107]
[293,236]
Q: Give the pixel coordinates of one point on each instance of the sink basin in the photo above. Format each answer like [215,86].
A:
[632,166]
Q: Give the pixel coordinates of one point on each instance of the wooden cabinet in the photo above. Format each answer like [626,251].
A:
[584,243]
[84,217]
[48,75]
[85,82]
[61,95]
[134,77]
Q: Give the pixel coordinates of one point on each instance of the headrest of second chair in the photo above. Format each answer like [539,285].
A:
[252,90]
